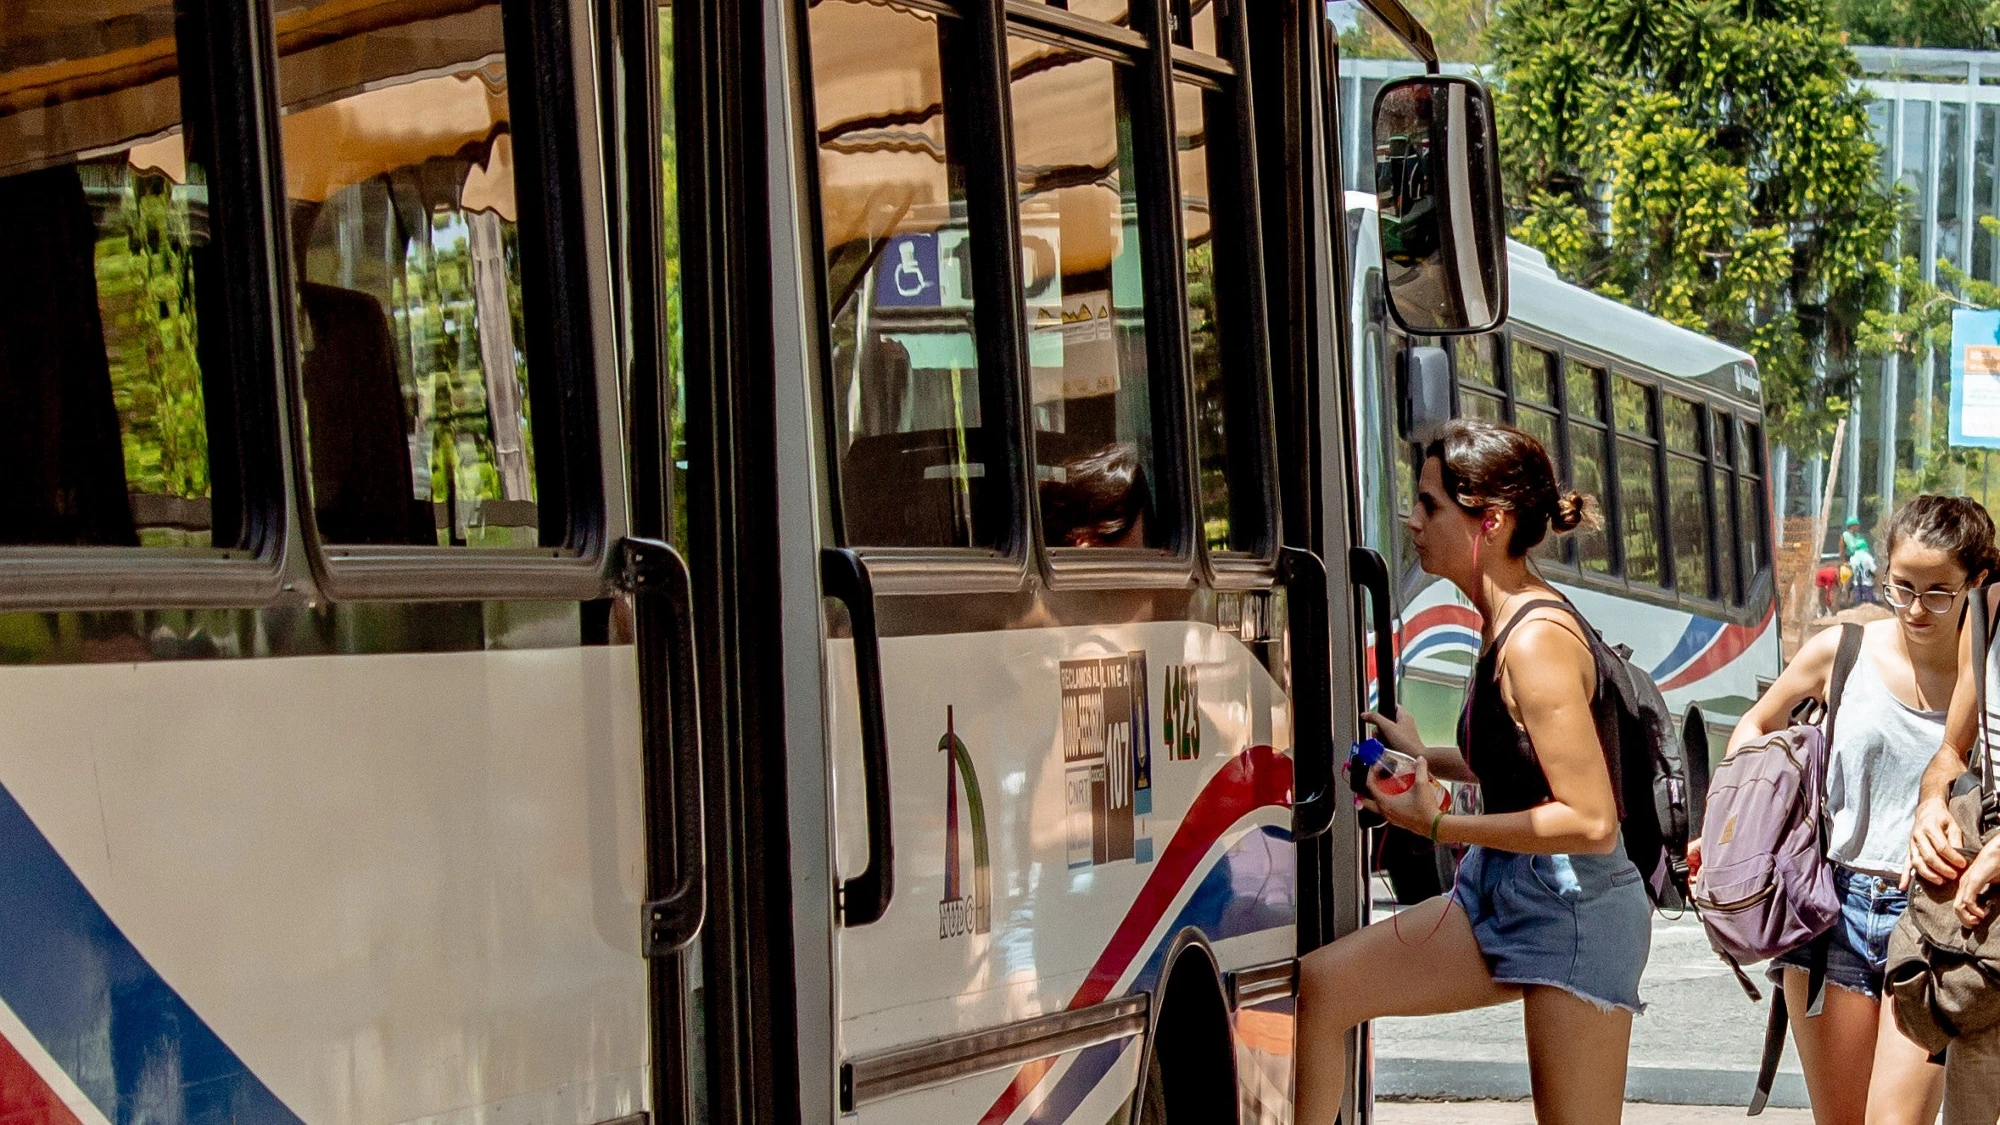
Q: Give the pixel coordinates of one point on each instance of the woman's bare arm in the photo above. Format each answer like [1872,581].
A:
[1550,675]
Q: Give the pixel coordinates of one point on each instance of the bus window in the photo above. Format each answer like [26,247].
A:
[1224,388]
[1531,370]
[1588,450]
[1475,362]
[1752,523]
[1638,479]
[104,437]
[1091,391]
[1687,500]
[399,175]
[1722,446]
[906,382]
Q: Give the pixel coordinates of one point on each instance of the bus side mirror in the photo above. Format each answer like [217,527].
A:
[1441,216]
[1426,378]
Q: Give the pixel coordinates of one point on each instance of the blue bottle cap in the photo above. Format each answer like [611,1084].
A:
[1369,750]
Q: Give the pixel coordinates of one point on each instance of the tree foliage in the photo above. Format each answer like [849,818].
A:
[1708,161]
[1972,24]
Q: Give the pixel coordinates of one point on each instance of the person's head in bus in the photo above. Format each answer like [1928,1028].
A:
[1100,501]
[1938,548]
[1486,497]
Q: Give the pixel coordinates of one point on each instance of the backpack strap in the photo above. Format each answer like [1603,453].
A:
[1774,1050]
[1843,667]
[1982,640]
[1521,614]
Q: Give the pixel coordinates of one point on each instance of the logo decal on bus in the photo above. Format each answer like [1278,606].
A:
[1107,758]
[959,912]
[1180,714]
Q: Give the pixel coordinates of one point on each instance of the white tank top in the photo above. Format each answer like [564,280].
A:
[1881,747]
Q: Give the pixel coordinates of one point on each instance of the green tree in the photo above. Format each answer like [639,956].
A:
[1973,24]
[1710,162]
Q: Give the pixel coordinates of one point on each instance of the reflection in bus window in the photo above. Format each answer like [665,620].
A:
[1090,388]
[103,426]
[1222,376]
[1588,450]
[1110,11]
[1722,443]
[1638,478]
[1750,497]
[1475,361]
[906,387]
[1201,26]
[399,175]
[1531,373]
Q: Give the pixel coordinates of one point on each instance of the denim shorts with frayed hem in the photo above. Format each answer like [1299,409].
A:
[1581,923]
[1857,953]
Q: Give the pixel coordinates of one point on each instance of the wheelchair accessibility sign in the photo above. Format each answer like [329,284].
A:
[926,270]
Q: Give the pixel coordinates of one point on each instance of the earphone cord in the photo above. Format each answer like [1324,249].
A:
[1396,926]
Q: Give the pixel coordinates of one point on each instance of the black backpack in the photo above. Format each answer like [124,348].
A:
[1654,771]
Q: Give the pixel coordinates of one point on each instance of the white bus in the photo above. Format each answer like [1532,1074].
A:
[1681,570]
[587,561]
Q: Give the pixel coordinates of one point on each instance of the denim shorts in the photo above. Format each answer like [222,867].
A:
[1858,952]
[1581,923]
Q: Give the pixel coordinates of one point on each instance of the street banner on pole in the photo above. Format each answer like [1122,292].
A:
[1975,378]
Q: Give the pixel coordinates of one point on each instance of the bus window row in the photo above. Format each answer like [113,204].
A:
[425,422]
[1678,477]
[1127,373]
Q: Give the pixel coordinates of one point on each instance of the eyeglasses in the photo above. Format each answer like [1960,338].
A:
[1935,601]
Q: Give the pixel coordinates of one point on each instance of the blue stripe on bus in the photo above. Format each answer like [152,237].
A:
[1700,632]
[1226,904]
[121,1032]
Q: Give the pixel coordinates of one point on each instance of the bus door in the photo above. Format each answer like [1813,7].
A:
[344,771]
[1059,726]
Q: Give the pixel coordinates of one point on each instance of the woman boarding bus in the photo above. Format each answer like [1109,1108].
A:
[1547,909]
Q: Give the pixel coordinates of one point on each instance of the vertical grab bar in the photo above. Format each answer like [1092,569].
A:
[670,731]
[844,577]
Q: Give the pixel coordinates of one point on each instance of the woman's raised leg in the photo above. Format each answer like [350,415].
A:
[1576,1058]
[1836,1049]
[1905,1087]
[1424,962]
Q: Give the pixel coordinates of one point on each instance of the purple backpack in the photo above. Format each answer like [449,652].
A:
[1766,886]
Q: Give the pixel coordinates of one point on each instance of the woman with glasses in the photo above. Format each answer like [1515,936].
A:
[1859,1069]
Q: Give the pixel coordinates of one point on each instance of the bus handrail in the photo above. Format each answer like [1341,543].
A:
[663,613]
[844,577]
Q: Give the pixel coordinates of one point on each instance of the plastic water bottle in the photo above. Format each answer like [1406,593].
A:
[1391,771]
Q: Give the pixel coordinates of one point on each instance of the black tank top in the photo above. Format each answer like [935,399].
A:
[1499,751]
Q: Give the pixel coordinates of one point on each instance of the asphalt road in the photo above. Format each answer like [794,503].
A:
[1697,1043]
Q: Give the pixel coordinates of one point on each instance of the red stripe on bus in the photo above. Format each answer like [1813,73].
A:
[25,1099]
[1732,642]
[1258,777]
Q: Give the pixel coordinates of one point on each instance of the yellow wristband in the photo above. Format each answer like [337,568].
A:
[1435,821]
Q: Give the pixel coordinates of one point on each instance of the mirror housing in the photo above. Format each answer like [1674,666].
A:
[1426,379]
[1441,216]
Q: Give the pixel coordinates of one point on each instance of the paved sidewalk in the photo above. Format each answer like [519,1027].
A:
[1521,1113]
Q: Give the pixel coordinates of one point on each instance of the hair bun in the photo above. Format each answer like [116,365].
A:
[1573,510]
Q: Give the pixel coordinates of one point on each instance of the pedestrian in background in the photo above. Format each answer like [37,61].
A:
[1547,908]
[1860,1069]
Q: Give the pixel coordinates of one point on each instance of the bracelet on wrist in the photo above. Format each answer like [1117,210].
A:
[1435,822]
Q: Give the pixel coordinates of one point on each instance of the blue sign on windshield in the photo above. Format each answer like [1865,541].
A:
[907,274]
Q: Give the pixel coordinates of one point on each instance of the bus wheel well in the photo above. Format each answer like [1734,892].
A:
[1191,1062]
